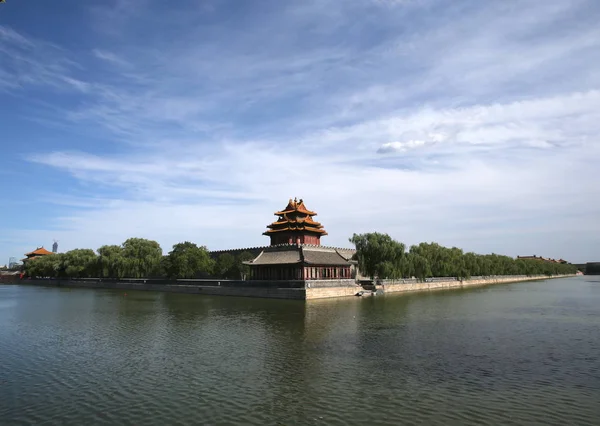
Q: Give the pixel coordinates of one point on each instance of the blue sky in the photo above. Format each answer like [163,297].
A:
[471,123]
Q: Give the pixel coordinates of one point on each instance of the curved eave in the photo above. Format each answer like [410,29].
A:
[39,252]
[308,212]
[312,230]
[292,223]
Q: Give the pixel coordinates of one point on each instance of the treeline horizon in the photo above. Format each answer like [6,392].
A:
[380,256]
[140,258]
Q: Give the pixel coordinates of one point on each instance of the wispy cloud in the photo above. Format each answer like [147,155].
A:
[109,57]
[458,122]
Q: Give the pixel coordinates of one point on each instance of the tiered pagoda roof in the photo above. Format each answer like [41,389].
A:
[297,218]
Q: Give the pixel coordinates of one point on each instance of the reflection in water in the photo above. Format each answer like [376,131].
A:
[510,354]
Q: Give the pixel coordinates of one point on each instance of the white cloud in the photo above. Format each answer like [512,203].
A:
[225,196]
[9,35]
[400,146]
[498,130]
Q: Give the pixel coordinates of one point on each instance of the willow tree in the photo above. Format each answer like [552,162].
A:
[378,255]
[141,258]
[110,261]
[80,263]
[50,266]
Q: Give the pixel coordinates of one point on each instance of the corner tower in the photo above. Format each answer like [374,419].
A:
[295,225]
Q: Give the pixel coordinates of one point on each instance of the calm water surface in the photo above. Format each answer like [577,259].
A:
[516,354]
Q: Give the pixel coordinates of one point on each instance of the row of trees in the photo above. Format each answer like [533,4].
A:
[380,256]
[140,258]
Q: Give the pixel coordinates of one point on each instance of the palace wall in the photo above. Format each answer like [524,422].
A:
[394,286]
[298,290]
[592,268]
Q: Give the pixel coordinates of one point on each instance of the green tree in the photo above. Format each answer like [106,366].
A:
[50,266]
[110,261]
[243,269]
[226,266]
[80,263]
[141,258]
[421,267]
[378,255]
[187,260]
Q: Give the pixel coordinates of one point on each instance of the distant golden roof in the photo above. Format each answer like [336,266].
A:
[542,258]
[41,251]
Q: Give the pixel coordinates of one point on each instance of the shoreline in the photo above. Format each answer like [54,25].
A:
[294,290]
[393,286]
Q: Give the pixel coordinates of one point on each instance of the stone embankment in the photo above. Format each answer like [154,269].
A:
[394,286]
[411,285]
[299,290]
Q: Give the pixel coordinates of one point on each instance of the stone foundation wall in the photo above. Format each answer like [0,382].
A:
[328,292]
[390,286]
[299,290]
[329,283]
[269,292]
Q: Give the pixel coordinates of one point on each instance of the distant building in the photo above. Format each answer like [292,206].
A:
[296,253]
[534,257]
[13,264]
[55,247]
[38,252]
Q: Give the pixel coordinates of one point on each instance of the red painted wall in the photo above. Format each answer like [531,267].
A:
[293,239]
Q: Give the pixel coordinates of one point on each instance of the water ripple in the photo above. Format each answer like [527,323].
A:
[470,358]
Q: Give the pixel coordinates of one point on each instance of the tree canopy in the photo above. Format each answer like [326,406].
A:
[50,266]
[135,258]
[232,267]
[226,266]
[187,260]
[110,262]
[79,263]
[380,256]
[141,258]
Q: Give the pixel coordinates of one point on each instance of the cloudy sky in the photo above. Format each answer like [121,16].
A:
[470,123]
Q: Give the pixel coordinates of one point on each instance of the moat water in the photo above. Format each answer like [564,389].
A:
[515,354]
